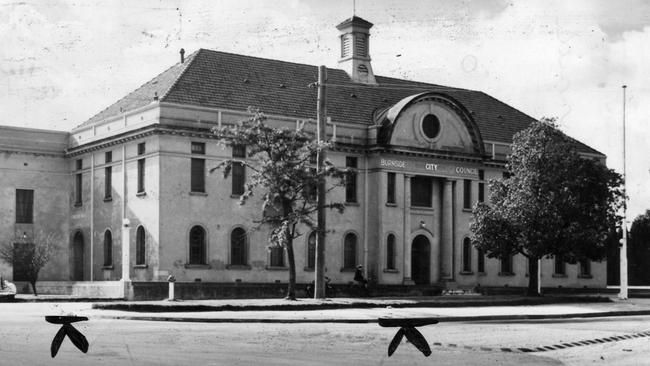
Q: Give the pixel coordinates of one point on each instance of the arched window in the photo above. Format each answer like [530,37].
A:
[311,250]
[140,248]
[350,251]
[390,251]
[467,255]
[238,246]
[277,256]
[197,245]
[108,248]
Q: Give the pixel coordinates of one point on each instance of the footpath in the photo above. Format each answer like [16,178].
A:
[455,308]
[369,310]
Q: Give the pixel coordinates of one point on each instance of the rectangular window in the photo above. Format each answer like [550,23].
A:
[24,206]
[197,176]
[277,257]
[108,172]
[559,267]
[197,182]
[351,179]
[238,179]
[481,185]
[467,194]
[238,170]
[481,261]
[141,174]
[78,183]
[467,255]
[506,265]
[108,183]
[585,268]
[390,252]
[390,188]
[312,187]
[421,191]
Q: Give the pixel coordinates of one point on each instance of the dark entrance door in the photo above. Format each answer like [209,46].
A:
[421,260]
[78,257]
[23,254]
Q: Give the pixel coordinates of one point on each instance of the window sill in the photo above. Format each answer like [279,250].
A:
[351,269]
[276,268]
[197,266]
[351,203]
[466,273]
[506,274]
[141,266]
[200,194]
[390,270]
[235,196]
[422,208]
[238,267]
[78,204]
[559,275]
[308,269]
[108,268]
[108,199]
[585,276]
[468,210]
[141,194]
[482,274]
[390,204]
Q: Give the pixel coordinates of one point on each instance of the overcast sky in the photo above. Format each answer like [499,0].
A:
[63,61]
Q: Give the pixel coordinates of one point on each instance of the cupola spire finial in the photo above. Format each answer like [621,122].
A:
[355,49]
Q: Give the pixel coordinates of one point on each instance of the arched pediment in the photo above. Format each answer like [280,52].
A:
[432,121]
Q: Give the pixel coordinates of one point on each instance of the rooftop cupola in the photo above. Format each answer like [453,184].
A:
[355,56]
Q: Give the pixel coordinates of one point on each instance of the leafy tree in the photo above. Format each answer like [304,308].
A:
[283,168]
[554,203]
[32,257]
[639,250]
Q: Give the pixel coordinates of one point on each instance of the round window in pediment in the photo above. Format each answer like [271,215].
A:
[431,126]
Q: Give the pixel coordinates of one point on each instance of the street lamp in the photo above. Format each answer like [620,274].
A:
[623,254]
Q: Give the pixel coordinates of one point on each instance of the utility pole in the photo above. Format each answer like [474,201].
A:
[319,281]
[623,254]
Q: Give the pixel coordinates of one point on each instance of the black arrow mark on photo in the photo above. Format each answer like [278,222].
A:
[407,328]
[78,339]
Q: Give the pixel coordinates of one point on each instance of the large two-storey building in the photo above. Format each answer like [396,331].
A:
[129,195]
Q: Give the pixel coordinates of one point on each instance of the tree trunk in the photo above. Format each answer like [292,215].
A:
[33,283]
[532,277]
[291,291]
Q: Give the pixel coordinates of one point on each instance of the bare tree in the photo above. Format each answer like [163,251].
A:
[32,257]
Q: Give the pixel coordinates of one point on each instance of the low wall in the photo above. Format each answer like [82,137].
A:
[486,290]
[239,290]
[91,290]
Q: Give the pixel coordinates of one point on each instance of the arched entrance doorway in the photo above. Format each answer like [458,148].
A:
[421,260]
[78,257]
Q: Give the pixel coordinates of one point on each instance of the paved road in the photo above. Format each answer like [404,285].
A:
[25,338]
